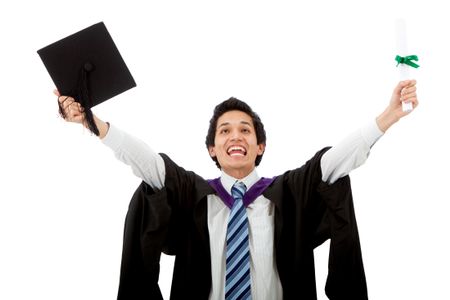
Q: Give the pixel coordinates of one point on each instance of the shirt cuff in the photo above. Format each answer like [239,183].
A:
[113,138]
[371,133]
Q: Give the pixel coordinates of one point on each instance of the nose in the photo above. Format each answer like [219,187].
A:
[236,135]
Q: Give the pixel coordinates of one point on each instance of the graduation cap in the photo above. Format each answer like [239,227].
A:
[88,67]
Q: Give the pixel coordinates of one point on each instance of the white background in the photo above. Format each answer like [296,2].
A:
[314,71]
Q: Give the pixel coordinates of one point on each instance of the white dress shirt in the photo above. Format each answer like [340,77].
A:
[335,163]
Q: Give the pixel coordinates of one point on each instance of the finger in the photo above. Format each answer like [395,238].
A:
[69,109]
[404,88]
[408,90]
[63,99]
[68,103]
[77,117]
[399,87]
[410,95]
[412,82]
[409,82]
[75,109]
[56,92]
[71,115]
[79,107]
[71,112]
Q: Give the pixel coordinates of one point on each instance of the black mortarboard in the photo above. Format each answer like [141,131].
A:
[88,67]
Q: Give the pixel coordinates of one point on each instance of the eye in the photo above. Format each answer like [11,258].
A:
[245,130]
[224,131]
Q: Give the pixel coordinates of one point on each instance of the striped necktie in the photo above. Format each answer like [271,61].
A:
[237,277]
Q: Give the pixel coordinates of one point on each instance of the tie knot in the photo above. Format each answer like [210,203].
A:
[238,190]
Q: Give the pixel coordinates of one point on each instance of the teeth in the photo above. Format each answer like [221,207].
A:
[236,148]
[236,154]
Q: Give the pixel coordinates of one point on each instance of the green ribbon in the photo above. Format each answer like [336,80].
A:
[407,60]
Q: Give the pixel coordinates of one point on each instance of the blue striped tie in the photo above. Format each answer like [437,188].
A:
[237,277]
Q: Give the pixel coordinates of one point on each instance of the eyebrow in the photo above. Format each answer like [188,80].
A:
[228,123]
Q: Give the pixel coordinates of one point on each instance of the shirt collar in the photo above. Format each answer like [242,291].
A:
[228,181]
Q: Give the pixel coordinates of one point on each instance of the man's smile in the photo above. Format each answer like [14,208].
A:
[237,150]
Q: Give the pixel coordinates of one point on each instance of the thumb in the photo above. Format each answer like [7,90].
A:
[56,92]
[399,87]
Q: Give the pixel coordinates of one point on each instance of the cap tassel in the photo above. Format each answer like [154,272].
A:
[81,94]
[84,98]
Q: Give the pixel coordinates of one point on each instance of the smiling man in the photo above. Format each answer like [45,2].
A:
[235,138]
[241,236]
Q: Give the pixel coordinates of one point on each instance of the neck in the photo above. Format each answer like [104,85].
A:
[238,173]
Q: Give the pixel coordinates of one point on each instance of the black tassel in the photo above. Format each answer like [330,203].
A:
[85,100]
[81,95]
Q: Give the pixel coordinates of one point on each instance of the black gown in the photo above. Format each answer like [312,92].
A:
[308,211]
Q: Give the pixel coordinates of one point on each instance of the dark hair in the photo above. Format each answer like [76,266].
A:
[229,105]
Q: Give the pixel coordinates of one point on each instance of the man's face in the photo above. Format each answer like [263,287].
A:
[235,144]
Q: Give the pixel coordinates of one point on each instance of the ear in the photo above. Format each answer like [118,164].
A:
[261,149]
[212,151]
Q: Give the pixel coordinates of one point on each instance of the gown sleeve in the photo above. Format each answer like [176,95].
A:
[168,220]
[325,211]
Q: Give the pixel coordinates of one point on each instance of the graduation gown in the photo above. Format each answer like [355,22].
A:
[308,211]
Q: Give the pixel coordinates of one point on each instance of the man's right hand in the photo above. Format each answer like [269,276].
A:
[74,112]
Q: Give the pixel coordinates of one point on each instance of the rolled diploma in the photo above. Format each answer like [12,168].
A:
[402,50]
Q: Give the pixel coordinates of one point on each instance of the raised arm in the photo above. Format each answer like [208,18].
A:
[144,162]
[404,91]
[353,151]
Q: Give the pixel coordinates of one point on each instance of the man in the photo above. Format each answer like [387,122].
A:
[281,219]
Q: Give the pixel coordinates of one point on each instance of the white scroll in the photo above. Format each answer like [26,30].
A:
[402,50]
